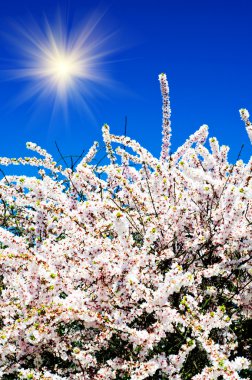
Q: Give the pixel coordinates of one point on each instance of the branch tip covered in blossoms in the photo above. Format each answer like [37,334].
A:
[166,126]
[245,117]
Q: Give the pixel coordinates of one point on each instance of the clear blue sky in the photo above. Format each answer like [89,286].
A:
[203,46]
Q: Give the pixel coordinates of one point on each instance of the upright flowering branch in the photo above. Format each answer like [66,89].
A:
[107,141]
[245,117]
[166,125]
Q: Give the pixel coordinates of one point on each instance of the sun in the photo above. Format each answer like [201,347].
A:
[61,68]
[61,62]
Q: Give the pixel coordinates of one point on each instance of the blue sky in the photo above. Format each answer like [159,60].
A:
[204,47]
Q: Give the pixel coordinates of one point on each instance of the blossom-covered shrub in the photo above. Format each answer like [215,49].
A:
[138,269]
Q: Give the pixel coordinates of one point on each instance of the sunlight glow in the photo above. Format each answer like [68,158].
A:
[62,67]
[62,62]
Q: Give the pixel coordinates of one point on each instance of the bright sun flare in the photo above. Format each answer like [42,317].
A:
[61,62]
[63,68]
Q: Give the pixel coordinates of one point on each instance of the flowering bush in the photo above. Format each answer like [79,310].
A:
[138,269]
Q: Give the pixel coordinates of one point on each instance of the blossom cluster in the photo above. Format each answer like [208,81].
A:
[137,269]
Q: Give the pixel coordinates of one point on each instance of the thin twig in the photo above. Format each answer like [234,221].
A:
[152,200]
